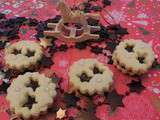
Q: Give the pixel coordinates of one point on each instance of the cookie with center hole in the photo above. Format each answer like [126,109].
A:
[134,57]
[31,94]
[90,76]
[23,55]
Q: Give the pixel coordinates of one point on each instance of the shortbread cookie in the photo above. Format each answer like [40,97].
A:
[90,76]
[133,57]
[31,94]
[22,55]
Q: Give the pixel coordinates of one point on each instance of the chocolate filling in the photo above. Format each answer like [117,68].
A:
[30,102]
[16,52]
[97,71]
[129,48]
[141,59]
[122,66]
[30,53]
[33,84]
[84,77]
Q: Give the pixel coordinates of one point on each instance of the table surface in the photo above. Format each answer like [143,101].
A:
[142,20]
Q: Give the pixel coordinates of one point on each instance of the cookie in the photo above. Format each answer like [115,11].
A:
[90,76]
[134,57]
[31,94]
[23,55]
[73,25]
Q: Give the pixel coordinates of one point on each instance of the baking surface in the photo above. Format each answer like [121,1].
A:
[140,17]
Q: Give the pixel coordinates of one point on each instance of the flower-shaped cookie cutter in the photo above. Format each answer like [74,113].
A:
[73,33]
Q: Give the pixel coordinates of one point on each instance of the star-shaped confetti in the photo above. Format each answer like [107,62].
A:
[114,100]
[71,99]
[61,113]
[136,86]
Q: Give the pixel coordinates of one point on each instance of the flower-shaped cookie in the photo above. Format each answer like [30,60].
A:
[133,57]
[90,76]
[22,55]
[31,94]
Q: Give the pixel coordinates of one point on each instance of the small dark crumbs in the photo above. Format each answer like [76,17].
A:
[46,61]
[71,118]
[111,45]
[53,38]
[118,29]
[48,37]
[113,36]
[87,7]
[10,27]
[114,27]
[10,74]
[136,86]
[2,44]
[39,35]
[32,22]
[106,2]
[71,99]
[114,100]
[2,16]
[93,22]
[92,0]
[81,45]
[96,49]
[105,54]
[103,32]
[96,8]
[63,47]
[86,4]
[41,26]
[53,49]
[110,60]
[3,87]
[122,31]
[156,65]
[56,19]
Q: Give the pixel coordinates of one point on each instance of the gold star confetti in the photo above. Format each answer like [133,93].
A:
[61,113]
[45,42]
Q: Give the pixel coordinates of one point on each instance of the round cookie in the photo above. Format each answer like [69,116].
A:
[90,76]
[23,55]
[31,94]
[134,57]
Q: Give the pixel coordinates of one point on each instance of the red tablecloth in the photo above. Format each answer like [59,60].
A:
[140,17]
